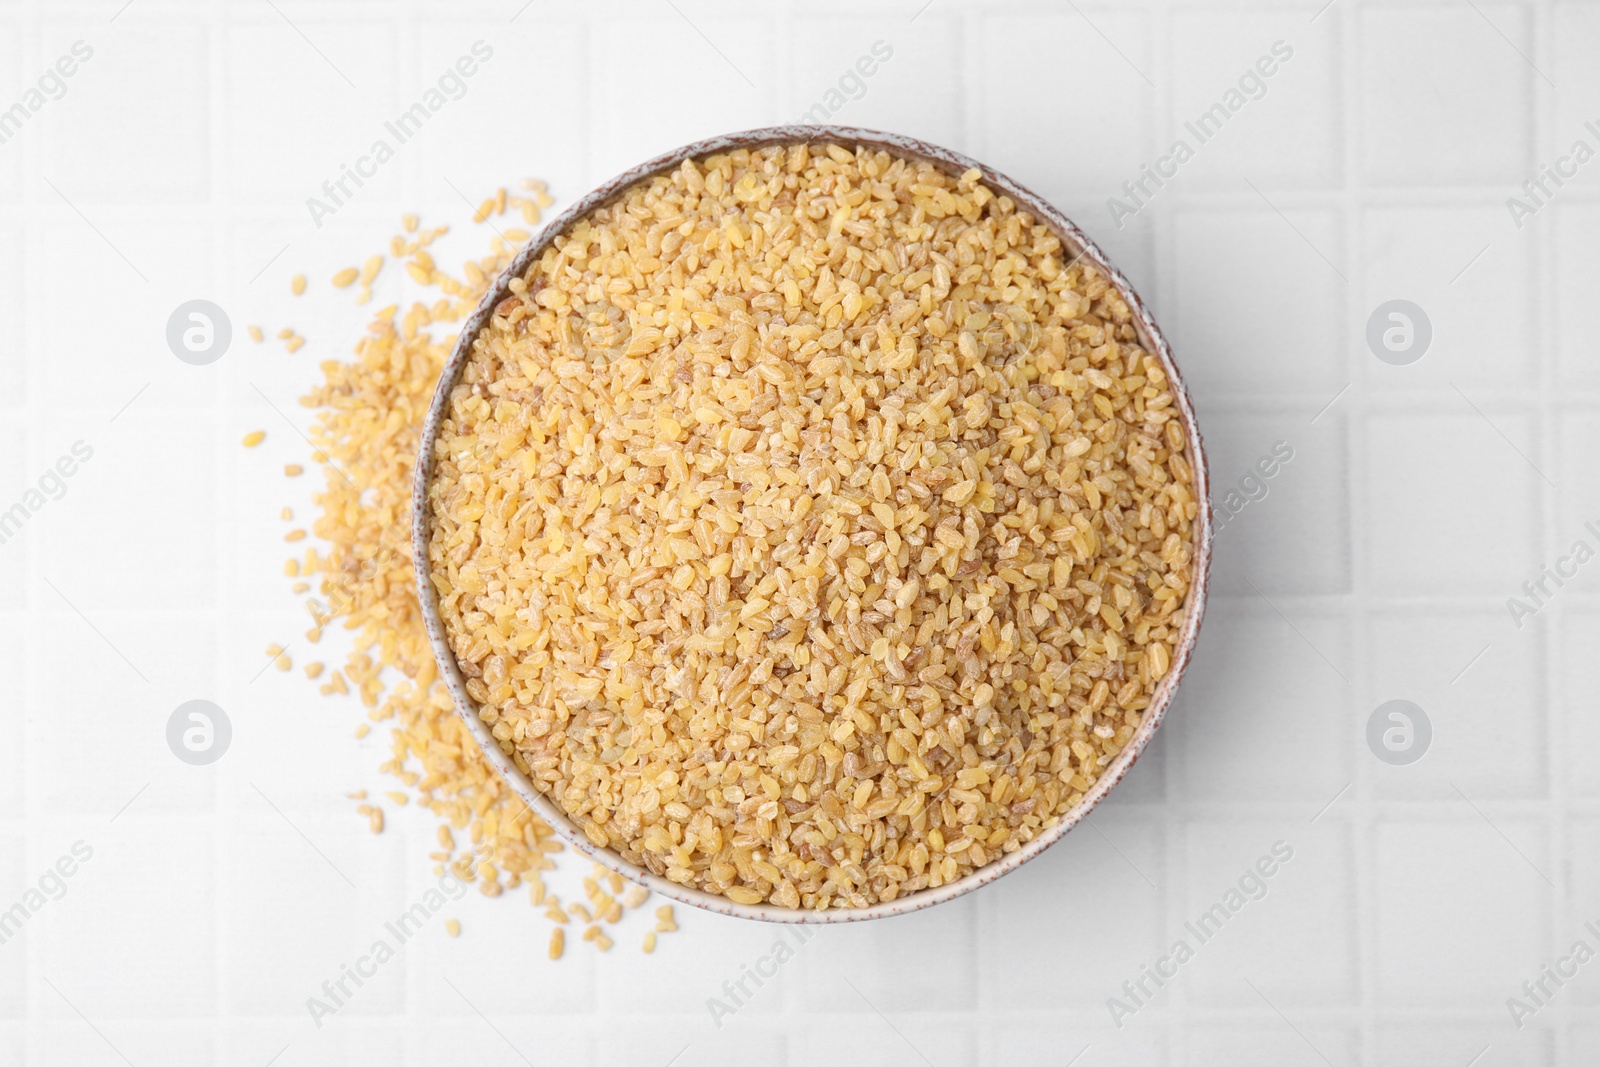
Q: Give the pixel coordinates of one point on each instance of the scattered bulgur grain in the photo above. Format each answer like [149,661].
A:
[293,470]
[370,269]
[345,278]
[822,486]
[286,514]
[409,223]
[253,438]
[452,927]
[295,343]
[591,933]
[363,729]
[285,333]
[558,941]
[603,943]
[313,669]
[255,334]
[295,535]
[635,897]
[401,799]
[649,941]
[297,284]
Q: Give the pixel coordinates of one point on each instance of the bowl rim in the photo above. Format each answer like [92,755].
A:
[1074,240]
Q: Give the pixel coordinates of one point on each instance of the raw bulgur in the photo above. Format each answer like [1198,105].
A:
[809,529]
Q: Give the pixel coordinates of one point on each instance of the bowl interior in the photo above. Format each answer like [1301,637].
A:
[1079,247]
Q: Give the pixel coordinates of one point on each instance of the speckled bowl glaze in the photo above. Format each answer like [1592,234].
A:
[1077,245]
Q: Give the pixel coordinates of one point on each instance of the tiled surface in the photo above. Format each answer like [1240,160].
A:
[1373,163]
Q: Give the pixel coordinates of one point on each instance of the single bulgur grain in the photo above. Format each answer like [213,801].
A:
[558,941]
[649,941]
[255,334]
[297,284]
[313,669]
[293,470]
[345,278]
[253,438]
[452,927]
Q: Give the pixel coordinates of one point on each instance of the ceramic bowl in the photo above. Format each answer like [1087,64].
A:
[1077,245]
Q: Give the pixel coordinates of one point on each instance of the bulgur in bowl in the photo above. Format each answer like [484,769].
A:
[811,524]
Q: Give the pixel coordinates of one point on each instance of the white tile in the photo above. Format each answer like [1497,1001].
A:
[12,149]
[1266,899]
[480,147]
[295,121]
[93,370]
[1478,306]
[1258,309]
[94,681]
[133,938]
[898,1040]
[1424,482]
[1573,29]
[924,961]
[22,491]
[1578,681]
[1577,273]
[13,714]
[625,72]
[917,90]
[145,95]
[1424,656]
[1141,1042]
[1276,84]
[1459,913]
[1447,1042]
[1041,145]
[152,471]
[1280,492]
[1443,98]
[273,968]
[1262,715]
[17,878]
[519,1041]
[739,1043]
[1077,958]
[1269,1042]
[14,369]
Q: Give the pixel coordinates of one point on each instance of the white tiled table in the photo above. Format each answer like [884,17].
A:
[1419,498]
